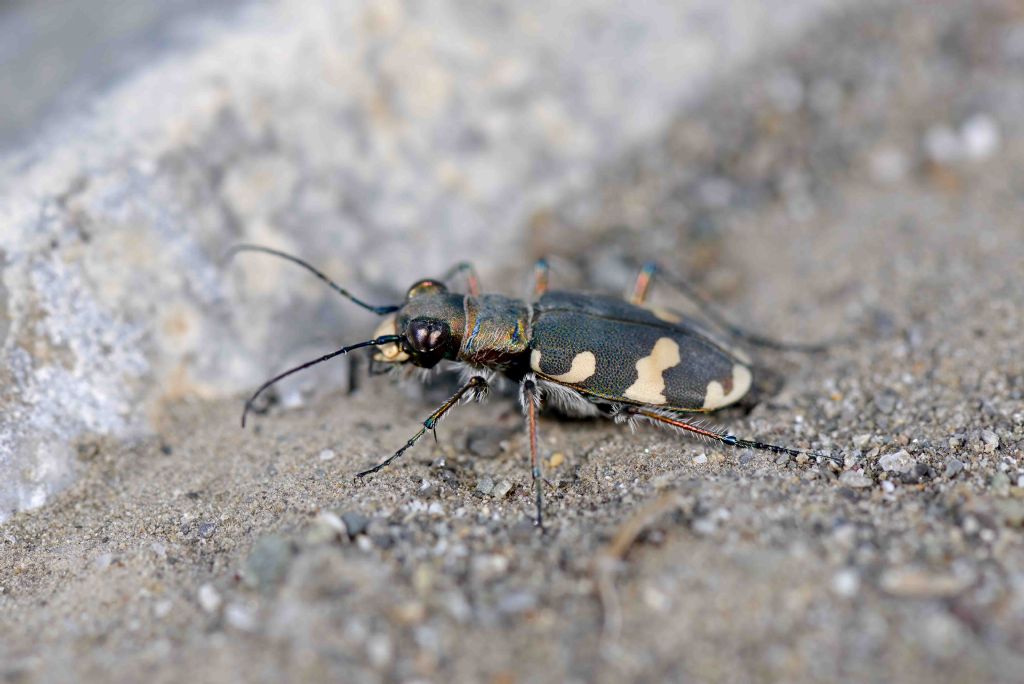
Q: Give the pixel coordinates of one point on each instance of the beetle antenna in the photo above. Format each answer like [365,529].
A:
[379,310]
[383,339]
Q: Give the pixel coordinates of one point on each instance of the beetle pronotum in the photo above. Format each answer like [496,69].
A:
[584,354]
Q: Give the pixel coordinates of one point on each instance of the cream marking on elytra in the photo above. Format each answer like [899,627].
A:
[583,366]
[716,396]
[650,385]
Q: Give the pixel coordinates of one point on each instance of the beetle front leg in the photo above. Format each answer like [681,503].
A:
[530,399]
[476,384]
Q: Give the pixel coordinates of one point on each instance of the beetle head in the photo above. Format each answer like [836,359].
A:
[430,322]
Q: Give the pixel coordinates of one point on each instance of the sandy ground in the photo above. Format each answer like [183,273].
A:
[864,183]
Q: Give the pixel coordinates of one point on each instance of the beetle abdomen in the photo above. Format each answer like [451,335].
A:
[626,354]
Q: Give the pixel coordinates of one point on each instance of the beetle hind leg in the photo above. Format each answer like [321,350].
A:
[723,437]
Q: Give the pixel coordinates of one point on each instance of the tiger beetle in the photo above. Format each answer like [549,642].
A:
[583,354]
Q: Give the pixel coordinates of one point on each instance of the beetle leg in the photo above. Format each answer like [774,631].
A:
[477,385]
[723,437]
[642,285]
[540,277]
[530,399]
[472,279]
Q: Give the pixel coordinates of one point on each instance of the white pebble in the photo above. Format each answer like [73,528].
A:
[162,609]
[846,583]
[241,617]
[379,650]
[700,460]
[209,599]
[327,454]
[980,136]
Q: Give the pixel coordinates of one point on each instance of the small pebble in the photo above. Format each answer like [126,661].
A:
[489,567]
[379,650]
[853,478]
[899,462]
[162,609]
[207,529]
[916,583]
[1001,484]
[700,460]
[860,441]
[846,583]
[327,527]
[888,487]
[327,455]
[980,137]
[501,489]
[209,599]
[485,441]
[990,440]
[355,523]
[268,562]
[557,459]
[485,485]
[782,459]
[517,602]
[953,466]
[885,402]
[241,617]
[746,457]
[1012,511]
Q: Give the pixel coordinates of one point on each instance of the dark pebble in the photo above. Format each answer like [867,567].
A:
[885,402]
[355,523]
[921,472]
[485,441]
[207,529]
[268,562]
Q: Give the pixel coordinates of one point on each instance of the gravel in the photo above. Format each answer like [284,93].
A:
[771,197]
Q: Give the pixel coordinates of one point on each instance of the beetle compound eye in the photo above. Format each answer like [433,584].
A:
[425,287]
[428,335]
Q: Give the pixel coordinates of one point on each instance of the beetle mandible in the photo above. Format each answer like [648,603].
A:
[583,354]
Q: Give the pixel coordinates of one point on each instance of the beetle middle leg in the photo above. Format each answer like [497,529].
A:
[530,398]
[477,385]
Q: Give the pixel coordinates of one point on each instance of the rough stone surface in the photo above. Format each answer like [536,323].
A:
[382,140]
[863,182]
